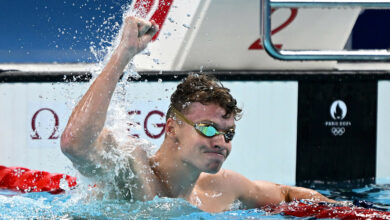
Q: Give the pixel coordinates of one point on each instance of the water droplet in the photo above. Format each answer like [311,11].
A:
[146,52]
[167,34]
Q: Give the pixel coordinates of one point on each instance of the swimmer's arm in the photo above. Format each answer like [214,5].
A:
[292,193]
[83,134]
[257,194]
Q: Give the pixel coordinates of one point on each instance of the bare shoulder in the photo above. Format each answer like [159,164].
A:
[225,180]
[252,193]
[222,176]
[233,179]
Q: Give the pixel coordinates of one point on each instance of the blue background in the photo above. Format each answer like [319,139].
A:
[63,31]
[31,30]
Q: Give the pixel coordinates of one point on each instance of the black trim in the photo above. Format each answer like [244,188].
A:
[42,77]
[273,75]
[224,75]
[339,146]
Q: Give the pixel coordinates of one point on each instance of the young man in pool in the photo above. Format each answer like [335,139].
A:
[199,128]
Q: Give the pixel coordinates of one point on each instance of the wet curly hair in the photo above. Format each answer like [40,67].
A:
[205,89]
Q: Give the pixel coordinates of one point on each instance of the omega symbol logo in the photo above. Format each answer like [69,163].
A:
[338,110]
[54,133]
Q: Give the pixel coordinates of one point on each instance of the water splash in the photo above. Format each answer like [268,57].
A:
[118,175]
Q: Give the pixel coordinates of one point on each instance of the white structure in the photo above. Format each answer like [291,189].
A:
[196,35]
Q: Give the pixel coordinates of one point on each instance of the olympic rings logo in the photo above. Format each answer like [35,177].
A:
[337,131]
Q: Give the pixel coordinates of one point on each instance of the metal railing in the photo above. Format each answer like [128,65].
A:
[362,55]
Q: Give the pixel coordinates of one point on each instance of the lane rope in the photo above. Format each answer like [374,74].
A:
[25,180]
[327,210]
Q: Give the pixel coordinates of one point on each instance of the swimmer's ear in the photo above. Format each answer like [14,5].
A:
[170,128]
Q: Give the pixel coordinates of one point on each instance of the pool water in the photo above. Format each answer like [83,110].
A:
[68,206]
[74,205]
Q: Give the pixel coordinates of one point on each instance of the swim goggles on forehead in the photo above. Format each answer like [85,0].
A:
[206,129]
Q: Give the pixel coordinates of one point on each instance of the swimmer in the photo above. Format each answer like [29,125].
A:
[199,129]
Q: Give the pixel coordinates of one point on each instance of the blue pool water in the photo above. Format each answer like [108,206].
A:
[45,205]
[75,205]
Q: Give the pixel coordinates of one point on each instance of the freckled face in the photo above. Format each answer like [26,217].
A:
[203,153]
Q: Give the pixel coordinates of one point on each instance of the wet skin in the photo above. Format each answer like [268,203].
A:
[187,165]
[205,154]
[191,162]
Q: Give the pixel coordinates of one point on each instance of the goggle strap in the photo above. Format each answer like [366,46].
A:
[181,116]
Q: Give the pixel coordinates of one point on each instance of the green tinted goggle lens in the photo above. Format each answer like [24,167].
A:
[211,131]
[204,129]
